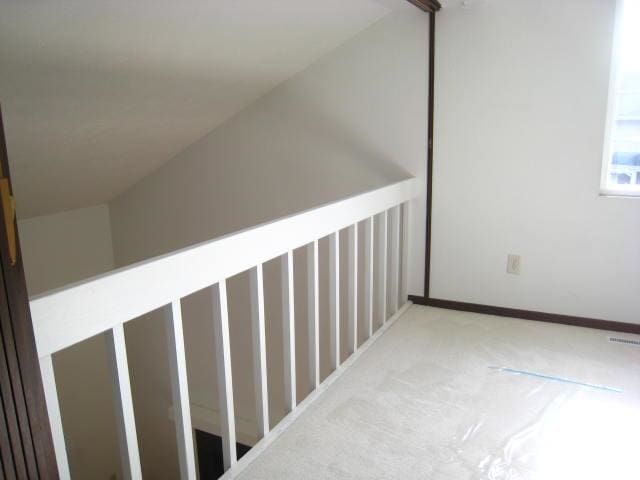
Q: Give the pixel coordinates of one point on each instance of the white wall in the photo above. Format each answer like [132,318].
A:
[59,249]
[354,121]
[521,92]
[65,247]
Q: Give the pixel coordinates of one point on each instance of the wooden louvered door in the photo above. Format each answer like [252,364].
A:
[26,449]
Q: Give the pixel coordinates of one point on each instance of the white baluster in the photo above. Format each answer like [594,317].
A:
[368,276]
[259,350]
[405,253]
[334,299]
[382,266]
[225,382]
[353,289]
[288,332]
[313,309]
[55,419]
[119,366]
[394,274]
[180,390]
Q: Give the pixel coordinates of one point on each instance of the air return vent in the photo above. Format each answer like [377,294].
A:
[626,341]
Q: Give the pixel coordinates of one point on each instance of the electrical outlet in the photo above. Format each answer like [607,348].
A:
[513,264]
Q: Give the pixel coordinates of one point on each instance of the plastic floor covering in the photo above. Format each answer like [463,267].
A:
[453,395]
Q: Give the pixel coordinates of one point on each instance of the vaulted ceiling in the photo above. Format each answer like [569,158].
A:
[97,94]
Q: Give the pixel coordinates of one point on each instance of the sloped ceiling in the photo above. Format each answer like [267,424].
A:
[97,94]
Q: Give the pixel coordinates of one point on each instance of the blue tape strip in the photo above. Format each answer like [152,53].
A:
[557,379]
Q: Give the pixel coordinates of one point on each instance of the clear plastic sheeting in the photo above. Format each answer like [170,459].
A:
[424,403]
[564,437]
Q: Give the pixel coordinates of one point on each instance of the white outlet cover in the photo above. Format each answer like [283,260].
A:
[513,264]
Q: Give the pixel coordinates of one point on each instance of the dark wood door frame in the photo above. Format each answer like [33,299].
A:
[432,6]
[26,446]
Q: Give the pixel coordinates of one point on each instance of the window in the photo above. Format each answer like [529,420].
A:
[621,170]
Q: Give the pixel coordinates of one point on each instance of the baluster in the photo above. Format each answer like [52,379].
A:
[55,419]
[259,350]
[405,253]
[368,276]
[394,274]
[223,364]
[334,299]
[119,366]
[180,390]
[382,266]
[288,332]
[353,288]
[313,309]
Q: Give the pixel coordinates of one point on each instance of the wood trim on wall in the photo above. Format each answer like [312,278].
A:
[530,315]
[431,90]
[431,7]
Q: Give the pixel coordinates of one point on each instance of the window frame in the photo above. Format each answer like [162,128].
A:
[621,190]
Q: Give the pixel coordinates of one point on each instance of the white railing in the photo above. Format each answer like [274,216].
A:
[70,315]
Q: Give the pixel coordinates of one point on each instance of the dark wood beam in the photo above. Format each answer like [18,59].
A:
[430,107]
[427,5]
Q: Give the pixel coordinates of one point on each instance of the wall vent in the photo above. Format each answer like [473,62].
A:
[627,341]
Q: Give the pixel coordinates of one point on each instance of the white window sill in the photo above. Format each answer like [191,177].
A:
[619,193]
